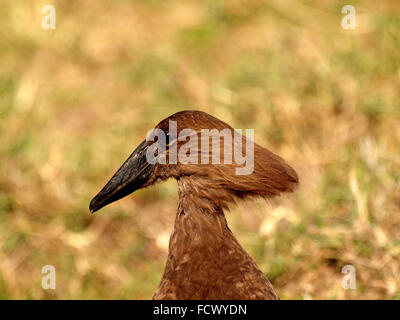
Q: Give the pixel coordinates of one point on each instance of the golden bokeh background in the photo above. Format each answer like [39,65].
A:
[75,101]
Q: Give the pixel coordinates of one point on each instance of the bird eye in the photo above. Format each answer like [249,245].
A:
[167,138]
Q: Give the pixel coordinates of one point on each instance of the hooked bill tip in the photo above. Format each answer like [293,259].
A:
[92,207]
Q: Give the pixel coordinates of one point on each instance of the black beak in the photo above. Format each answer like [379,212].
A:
[132,175]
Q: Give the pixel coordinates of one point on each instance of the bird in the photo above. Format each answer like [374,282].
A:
[205,261]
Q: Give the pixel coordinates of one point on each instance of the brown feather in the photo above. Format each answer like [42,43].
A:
[205,260]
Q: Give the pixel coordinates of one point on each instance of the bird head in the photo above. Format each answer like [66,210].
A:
[197,145]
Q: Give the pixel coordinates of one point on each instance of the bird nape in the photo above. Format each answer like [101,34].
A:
[205,156]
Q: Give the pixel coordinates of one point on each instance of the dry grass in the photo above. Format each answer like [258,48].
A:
[74,102]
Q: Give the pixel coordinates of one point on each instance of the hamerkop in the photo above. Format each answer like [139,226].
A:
[205,261]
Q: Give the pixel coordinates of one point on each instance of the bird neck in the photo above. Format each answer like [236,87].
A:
[201,230]
[200,216]
[205,261]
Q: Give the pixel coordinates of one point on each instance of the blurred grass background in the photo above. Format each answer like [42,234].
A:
[75,101]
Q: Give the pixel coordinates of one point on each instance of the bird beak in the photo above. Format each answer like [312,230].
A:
[132,175]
